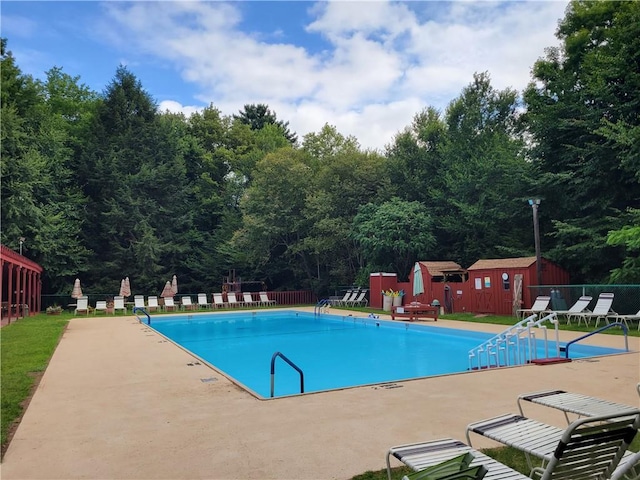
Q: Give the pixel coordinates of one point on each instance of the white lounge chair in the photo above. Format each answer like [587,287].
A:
[118,304]
[101,306]
[575,403]
[138,301]
[346,297]
[360,300]
[169,304]
[591,444]
[629,470]
[625,318]
[420,456]
[264,299]
[577,308]
[218,300]
[248,299]
[82,306]
[600,311]
[540,305]
[349,301]
[185,303]
[152,303]
[232,300]
[202,301]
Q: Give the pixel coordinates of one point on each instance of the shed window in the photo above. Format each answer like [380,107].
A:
[505,281]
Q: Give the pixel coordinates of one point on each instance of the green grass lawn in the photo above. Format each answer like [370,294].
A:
[26,346]
[25,349]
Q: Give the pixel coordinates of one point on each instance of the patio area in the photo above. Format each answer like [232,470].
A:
[118,401]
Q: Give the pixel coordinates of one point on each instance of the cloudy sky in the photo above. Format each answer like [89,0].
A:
[366,67]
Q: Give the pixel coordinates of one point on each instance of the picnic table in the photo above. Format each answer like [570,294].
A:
[415,311]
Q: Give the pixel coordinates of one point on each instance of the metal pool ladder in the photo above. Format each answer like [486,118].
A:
[293,365]
[325,303]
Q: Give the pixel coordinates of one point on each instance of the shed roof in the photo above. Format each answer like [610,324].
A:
[520,262]
[440,268]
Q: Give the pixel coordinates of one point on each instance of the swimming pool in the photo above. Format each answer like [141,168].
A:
[333,351]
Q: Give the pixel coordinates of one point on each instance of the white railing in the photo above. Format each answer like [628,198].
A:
[516,345]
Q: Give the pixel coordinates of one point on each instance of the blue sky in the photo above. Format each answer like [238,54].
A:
[366,67]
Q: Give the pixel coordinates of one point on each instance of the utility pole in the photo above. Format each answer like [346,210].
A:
[535,203]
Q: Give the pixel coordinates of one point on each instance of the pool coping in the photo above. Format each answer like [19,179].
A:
[119,401]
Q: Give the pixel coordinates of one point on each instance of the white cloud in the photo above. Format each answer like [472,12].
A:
[383,62]
[176,107]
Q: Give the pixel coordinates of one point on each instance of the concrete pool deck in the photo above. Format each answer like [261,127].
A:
[118,401]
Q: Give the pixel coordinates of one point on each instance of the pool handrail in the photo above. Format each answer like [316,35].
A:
[140,309]
[293,365]
[610,325]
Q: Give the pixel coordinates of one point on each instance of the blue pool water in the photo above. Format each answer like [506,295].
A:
[332,351]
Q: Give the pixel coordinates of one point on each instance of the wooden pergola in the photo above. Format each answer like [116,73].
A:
[20,285]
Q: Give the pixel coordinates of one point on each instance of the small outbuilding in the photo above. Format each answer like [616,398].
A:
[501,286]
[441,280]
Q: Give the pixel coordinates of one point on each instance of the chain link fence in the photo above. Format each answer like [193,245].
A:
[626,299]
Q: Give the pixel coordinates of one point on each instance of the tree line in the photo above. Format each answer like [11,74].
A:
[104,185]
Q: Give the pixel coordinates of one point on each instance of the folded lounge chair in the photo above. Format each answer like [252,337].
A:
[82,306]
[540,305]
[590,447]
[600,312]
[118,304]
[577,308]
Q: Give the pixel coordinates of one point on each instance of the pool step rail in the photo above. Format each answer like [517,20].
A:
[517,345]
[322,306]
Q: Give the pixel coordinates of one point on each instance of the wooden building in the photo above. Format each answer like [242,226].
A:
[501,286]
[20,285]
[442,281]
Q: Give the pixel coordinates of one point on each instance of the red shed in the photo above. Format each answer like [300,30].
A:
[436,279]
[501,286]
